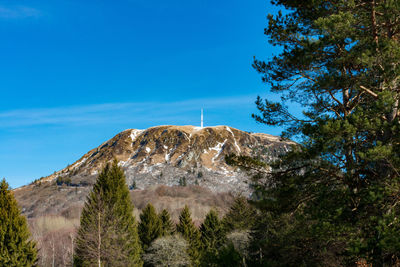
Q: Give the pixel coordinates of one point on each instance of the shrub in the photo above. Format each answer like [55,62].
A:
[182,181]
[63,180]
[167,251]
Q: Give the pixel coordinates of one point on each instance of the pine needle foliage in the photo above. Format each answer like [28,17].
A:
[150,226]
[212,237]
[107,235]
[167,226]
[241,215]
[191,234]
[16,246]
[212,231]
[335,195]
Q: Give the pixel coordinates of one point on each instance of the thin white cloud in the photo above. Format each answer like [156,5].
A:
[18,12]
[156,112]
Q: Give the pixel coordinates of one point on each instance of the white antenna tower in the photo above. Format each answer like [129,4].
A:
[201,118]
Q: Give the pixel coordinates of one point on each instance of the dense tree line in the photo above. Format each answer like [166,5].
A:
[334,199]
[109,235]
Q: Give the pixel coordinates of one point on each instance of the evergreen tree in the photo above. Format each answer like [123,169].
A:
[150,226]
[228,256]
[107,235]
[167,226]
[16,246]
[337,192]
[241,215]
[190,232]
[212,237]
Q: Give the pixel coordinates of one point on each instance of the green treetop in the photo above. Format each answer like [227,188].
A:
[107,235]
[150,226]
[16,246]
[212,236]
[189,232]
[340,63]
[212,232]
[167,226]
[241,215]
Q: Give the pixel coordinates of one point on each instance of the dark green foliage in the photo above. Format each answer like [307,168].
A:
[37,182]
[63,180]
[241,241]
[132,186]
[228,257]
[186,226]
[212,232]
[212,237]
[190,232]
[284,240]
[182,181]
[150,226]
[167,226]
[241,215]
[335,196]
[108,231]
[16,247]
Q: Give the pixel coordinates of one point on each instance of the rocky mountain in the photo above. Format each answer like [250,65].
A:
[173,155]
[170,156]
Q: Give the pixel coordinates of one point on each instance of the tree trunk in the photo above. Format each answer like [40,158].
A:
[99,243]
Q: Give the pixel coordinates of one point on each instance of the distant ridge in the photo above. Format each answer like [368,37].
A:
[158,162]
[167,154]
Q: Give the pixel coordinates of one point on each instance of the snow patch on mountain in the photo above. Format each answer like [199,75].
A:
[134,134]
[234,139]
[164,154]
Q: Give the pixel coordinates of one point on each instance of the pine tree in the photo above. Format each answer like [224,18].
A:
[212,237]
[167,226]
[336,192]
[107,235]
[241,215]
[229,256]
[150,226]
[190,232]
[16,246]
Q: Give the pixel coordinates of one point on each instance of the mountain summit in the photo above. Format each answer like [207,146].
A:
[173,155]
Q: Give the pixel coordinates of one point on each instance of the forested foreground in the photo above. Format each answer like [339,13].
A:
[110,235]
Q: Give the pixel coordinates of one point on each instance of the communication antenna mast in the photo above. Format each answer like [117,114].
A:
[201,118]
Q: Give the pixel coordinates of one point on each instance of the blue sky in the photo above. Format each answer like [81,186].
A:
[74,73]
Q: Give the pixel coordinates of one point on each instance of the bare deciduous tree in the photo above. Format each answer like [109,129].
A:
[167,251]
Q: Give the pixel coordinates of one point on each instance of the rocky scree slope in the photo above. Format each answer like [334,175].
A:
[162,155]
[171,155]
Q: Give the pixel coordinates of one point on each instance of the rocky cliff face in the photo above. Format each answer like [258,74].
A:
[172,155]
